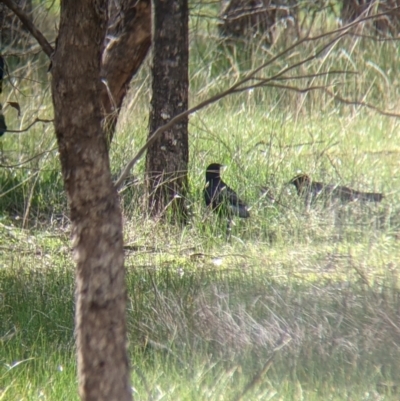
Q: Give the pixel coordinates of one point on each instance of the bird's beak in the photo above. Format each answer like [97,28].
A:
[223,167]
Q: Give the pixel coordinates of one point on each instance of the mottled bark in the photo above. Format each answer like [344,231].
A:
[95,214]
[167,158]
[127,43]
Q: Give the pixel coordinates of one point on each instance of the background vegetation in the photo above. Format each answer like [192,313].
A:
[205,314]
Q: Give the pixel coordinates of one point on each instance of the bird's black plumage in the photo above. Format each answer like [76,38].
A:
[311,190]
[3,126]
[1,73]
[221,198]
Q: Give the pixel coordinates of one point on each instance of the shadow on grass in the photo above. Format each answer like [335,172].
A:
[184,320]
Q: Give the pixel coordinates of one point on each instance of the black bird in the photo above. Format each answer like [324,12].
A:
[312,190]
[3,126]
[222,199]
[1,73]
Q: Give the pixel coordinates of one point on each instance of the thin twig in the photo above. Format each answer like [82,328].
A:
[315,75]
[37,120]
[28,160]
[281,86]
[327,91]
[19,184]
[363,104]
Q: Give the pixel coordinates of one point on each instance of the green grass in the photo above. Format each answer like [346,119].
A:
[205,314]
[201,325]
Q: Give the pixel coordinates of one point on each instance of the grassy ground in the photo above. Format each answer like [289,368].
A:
[204,314]
[203,318]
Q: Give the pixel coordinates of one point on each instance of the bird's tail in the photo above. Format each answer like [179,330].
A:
[370,196]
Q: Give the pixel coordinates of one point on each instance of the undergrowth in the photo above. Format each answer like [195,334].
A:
[204,314]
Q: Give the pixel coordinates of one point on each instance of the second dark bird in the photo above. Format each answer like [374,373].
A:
[222,199]
[312,190]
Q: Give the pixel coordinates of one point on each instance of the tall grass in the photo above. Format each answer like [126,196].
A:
[202,324]
[204,314]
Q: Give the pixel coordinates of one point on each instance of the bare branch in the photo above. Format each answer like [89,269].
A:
[30,177]
[27,160]
[324,89]
[164,128]
[221,95]
[337,33]
[281,86]
[375,38]
[363,104]
[314,75]
[28,24]
[37,120]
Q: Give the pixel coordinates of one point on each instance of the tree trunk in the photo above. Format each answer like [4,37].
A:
[167,158]
[125,48]
[95,214]
[127,43]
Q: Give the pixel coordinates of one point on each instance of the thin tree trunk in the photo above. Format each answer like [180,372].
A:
[125,48]
[127,43]
[167,158]
[95,214]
